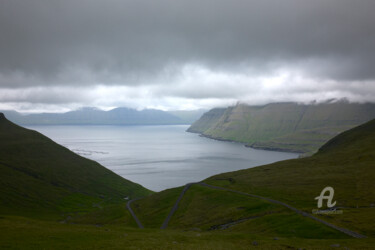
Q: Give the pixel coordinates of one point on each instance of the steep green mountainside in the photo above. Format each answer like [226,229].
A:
[283,126]
[40,177]
[345,163]
[93,116]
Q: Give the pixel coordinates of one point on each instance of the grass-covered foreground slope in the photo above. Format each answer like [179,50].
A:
[283,126]
[40,178]
[346,163]
[22,233]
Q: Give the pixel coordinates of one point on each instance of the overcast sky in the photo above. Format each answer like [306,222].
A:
[57,55]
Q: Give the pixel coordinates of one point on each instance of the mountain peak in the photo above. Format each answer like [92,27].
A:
[2,116]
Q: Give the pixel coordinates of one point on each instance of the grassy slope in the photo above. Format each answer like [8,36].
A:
[346,163]
[40,178]
[207,210]
[284,126]
[21,233]
[154,209]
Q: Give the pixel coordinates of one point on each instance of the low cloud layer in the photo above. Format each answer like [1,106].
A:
[183,54]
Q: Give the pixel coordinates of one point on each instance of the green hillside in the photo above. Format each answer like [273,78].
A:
[345,163]
[40,178]
[39,194]
[283,126]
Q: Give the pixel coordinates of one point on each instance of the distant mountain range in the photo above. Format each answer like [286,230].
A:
[117,116]
[283,126]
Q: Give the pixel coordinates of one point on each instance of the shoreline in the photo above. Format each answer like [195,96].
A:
[250,146]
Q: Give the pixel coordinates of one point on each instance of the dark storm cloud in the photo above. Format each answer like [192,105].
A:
[129,42]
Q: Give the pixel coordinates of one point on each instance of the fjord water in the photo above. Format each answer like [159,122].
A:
[158,157]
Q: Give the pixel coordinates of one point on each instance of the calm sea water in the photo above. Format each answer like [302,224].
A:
[158,157]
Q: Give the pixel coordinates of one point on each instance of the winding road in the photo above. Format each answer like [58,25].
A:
[187,186]
[169,216]
[343,230]
[128,205]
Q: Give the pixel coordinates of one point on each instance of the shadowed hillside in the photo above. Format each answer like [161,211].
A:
[40,177]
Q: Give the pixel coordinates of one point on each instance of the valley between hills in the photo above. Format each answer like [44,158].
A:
[52,198]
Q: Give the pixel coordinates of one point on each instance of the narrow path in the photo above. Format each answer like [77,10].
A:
[173,210]
[343,230]
[187,186]
[133,214]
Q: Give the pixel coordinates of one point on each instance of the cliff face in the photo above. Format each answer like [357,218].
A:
[283,126]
